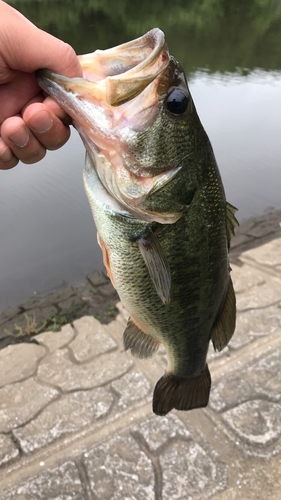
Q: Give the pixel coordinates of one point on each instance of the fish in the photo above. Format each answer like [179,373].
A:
[157,198]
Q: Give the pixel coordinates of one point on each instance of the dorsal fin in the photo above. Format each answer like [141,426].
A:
[231,221]
[157,265]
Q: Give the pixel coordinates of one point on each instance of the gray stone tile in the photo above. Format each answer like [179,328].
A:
[245,277]
[51,298]
[158,432]
[119,470]
[263,289]
[257,424]
[60,483]
[18,362]
[38,314]
[91,340]
[8,314]
[260,379]
[255,323]
[190,471]
[20,402]
[8,449]
[56,340]
[57,369]
[96,278]
[268,254]
[73,303]
[131,388]
[69,414]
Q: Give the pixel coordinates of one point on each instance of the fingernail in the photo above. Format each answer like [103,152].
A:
[41,122]
[20,136]
[6,154]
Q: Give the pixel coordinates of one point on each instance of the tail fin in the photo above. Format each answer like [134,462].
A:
[181,393]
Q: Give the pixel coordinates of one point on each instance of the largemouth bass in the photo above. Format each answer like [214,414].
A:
[158,202]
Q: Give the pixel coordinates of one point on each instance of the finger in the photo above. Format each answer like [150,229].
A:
[51,104]
[46,126]
[7,158]
[21,141]
[59,112]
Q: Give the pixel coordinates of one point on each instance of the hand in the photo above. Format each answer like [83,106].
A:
[29,122]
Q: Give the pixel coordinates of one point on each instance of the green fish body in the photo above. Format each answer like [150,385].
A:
[159,206]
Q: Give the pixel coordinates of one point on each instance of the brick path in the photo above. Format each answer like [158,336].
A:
[75,410]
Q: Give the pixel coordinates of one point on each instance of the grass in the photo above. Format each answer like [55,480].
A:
[31,327]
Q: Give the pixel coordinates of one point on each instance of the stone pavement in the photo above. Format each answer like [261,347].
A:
[75,410]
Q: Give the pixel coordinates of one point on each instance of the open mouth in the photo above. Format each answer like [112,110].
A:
[117,75]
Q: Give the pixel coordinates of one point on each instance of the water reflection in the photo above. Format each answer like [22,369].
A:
[230,51]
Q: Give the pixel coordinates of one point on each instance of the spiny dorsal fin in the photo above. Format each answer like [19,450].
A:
[157,265]
[231,221]
[181,393]
[224,327]
[142,345]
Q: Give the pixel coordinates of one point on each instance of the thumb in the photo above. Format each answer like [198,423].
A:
[26,48]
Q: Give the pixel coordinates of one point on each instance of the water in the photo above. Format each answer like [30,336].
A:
[230,51]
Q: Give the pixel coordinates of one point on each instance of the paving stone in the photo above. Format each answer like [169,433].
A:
[56,340]
[118,470]
[91,340]
[158,432]
[59,483]
[18,362]
[255,323]
[131,388]
[96,278]
[268,254]
[22,401]
[191,471]
[245,277]
[57,369]
[238,240]
[69,414]
[262,294]
[264,227]
[258,424]
[107,290]
[40,314]
[8,450]
[51,298]
[8,314]
[260,379]
[73,303]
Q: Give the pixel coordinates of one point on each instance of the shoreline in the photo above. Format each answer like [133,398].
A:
[98,298]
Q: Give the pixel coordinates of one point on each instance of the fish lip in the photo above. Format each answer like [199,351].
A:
[140,62]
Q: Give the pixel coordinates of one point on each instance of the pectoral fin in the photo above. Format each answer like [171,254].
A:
[181,393]
[157,264]
[224,327]
[142,345]
[231,221]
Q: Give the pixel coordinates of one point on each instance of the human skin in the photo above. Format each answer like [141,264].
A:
[30,123]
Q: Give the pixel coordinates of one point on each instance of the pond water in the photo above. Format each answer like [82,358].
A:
[230,51]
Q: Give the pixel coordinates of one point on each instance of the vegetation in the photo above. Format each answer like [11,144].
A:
[217,35]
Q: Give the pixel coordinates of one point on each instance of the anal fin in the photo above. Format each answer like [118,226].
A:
[224,326]
[181,393]
[142,344]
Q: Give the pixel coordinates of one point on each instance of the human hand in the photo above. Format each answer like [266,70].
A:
[30,123]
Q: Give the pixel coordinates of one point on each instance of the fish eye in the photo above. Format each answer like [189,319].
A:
[177,102]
